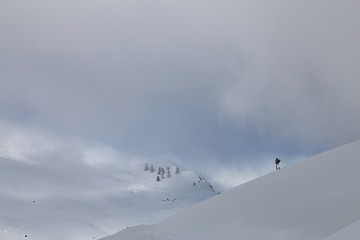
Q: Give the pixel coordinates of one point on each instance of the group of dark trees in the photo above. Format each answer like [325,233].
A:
[161,174]
[151,169]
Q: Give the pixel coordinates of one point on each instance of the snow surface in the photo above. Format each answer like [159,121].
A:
[86,192]
[351,232]
[314,199]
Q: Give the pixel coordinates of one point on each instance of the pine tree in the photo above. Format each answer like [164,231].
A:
[177,170]
[146,167]
[152,168]
[168,175]
[162,173]
[159,171]
[158,179]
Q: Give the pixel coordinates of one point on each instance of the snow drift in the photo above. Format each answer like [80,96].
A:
[314,199]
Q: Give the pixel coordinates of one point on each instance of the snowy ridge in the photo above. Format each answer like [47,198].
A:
[314,199]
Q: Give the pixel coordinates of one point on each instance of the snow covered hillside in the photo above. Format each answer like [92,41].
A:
[314,199]
[82,191]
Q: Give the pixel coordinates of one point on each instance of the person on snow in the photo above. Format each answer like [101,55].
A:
[277,161]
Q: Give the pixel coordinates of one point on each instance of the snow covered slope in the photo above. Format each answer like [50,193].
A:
[85,191]
[350,232]
[314,199]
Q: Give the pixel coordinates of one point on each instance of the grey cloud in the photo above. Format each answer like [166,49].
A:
[202,78]
[301,80]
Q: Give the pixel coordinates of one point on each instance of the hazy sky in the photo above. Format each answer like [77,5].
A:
[207,80]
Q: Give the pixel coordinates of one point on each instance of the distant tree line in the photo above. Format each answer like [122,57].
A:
[161,173]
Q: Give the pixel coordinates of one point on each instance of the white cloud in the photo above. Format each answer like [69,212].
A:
[22,144]
[300,75]
[131,73]
[229,178]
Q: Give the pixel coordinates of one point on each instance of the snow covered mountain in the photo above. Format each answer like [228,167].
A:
[82,191]
[314,199]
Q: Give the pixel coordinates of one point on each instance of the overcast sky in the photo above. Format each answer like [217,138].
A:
[219,81]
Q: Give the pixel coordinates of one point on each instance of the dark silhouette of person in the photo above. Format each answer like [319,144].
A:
[277,161]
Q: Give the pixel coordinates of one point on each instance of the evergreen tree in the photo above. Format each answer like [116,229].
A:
[168,175]
[152,168]
[159,171]
[146,167]
[158,179]
[177,170]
